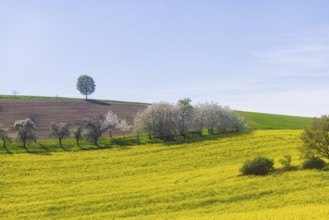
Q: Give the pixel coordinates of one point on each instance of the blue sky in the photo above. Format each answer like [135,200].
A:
[263,56]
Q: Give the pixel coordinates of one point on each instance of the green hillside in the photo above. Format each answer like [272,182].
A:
[272,121]
[198,180]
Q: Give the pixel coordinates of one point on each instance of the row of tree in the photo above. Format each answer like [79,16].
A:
[164,120]
[91,129]
[160,121]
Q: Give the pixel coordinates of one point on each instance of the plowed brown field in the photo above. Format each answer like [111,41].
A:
[61,111]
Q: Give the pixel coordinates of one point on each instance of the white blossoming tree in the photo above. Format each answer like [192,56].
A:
[124,126]
[25,130]
[111,121]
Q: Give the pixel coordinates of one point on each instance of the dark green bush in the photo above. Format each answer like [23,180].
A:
[257,166]
[313,163]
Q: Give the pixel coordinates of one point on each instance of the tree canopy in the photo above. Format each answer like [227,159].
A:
[86,85]
[316,138]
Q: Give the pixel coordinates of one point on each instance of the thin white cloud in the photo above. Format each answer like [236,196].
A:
[307,58]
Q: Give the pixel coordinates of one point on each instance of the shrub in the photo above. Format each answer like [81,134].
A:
[313,163]
[286,162]
[257,166]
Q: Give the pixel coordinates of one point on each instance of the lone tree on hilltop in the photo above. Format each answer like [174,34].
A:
[60,130]
[86,85]
[316,138]
[25,131]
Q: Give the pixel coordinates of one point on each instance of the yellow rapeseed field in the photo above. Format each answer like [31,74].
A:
[198,180]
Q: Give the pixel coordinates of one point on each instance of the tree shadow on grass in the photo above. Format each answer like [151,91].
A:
[93,147]
[97,102]
[44,151]
[106,146]
[7,150]
[123,142]
[87,148]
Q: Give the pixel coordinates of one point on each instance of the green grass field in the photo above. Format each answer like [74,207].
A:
[272,121]
[199,180]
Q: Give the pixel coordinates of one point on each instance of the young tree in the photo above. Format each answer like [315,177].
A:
[95,128]
[77,133]
[138,127]
[60,130]
[4,137]
[111,121]
[184,115]
[25,131]
[316,138]
[86,85]
[124,126]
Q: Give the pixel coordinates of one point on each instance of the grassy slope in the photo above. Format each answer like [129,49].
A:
[48,98]
[198,180]
[273,121]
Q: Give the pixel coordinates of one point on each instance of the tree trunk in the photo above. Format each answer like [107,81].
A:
[60,143]
[96,142]
[4,145]
[24,145]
